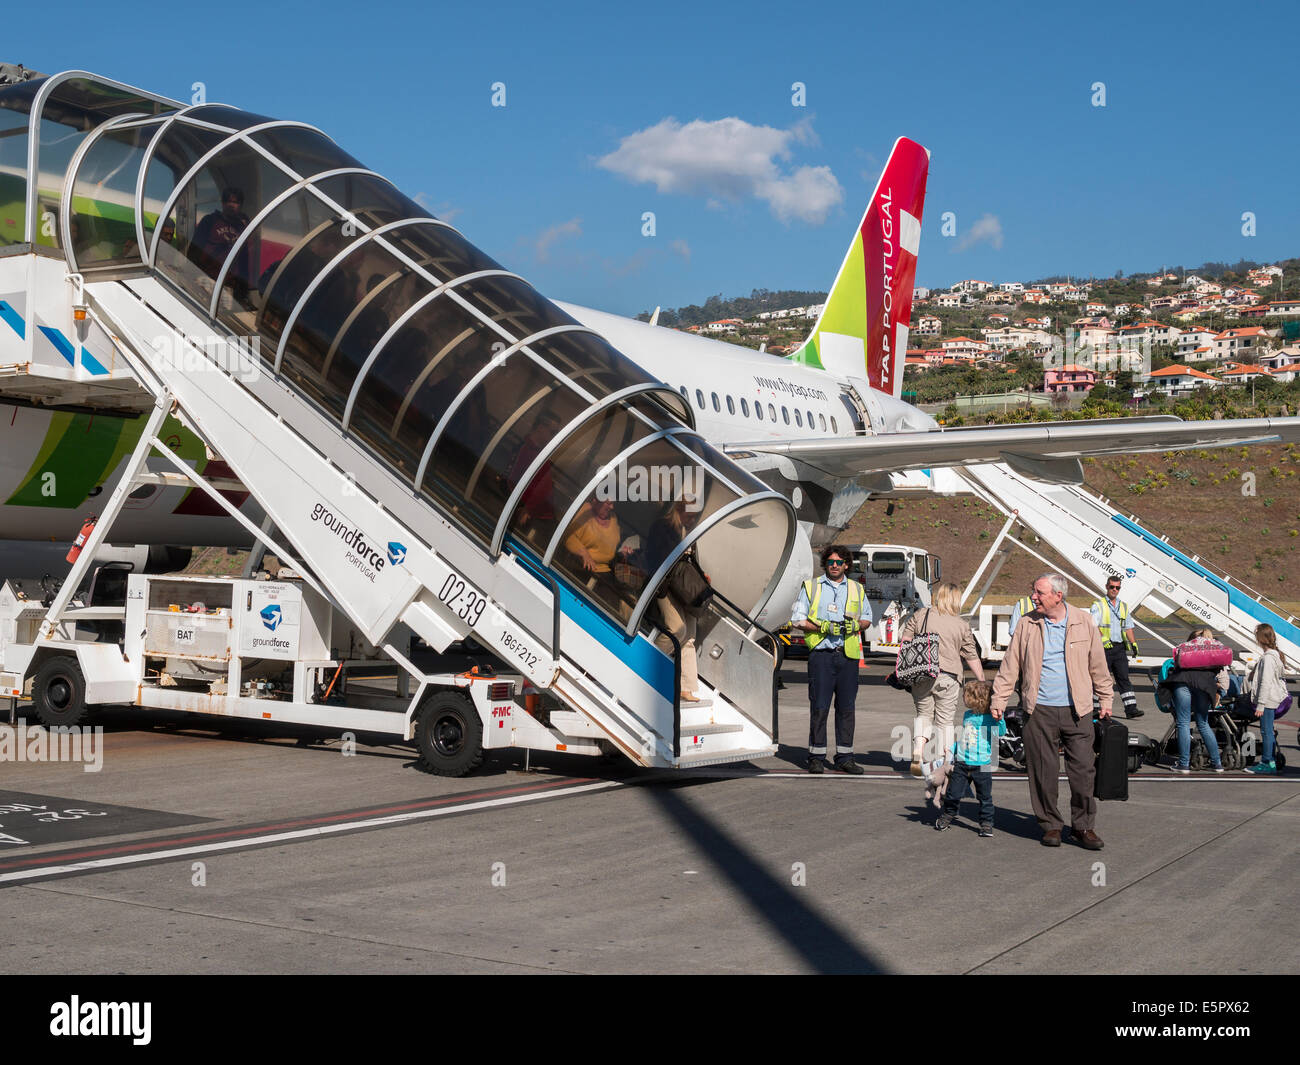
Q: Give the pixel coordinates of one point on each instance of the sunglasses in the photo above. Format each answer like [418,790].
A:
[835,562]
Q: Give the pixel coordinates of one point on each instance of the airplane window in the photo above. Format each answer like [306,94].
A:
[744,407]
[786,415]
[716,405]
[811,423]
[682,390]
[834,427]
[822,419]
[758,410]
[731,406]
[798,420]
[771,410]
[699,399]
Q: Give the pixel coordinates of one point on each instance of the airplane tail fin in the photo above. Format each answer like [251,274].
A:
[868,312]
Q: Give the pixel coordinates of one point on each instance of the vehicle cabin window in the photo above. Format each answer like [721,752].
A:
[811,424]
[888,562]
[771,411]
[682,390]
[785,414]
[716,405]
[834,428]
[731,405]
[699,399]
[822,420]
[744,407]
[797,419]
[758,411]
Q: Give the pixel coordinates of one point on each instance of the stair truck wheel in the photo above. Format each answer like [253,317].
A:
[449,735]
[59,692]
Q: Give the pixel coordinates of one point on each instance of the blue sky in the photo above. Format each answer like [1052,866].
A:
[613,112]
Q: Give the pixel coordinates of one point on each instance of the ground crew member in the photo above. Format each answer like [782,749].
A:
[832,610]
[1111,616]
[1024,605]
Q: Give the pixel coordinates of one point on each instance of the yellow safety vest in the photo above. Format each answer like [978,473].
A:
[1026,605]
[852,608]
[1104,625]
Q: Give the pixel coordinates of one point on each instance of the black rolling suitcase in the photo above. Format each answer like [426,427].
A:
[1111,744]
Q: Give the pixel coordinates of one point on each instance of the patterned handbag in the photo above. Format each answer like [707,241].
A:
[919,657]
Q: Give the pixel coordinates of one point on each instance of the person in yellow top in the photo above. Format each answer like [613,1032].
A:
[594,535]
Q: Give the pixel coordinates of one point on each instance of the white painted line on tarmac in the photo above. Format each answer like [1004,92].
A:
[300,834]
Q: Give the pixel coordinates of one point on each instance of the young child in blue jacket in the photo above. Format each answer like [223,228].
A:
[974,756]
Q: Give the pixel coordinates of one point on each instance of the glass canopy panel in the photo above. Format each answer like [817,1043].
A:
[514,305]
[15,103]
[74,108]
[597,442]
[708,455]
[442,251]
[415,378]
[103,198]
[231,187]
[312,236]
[590,363]
[230,117]
[176,152]
[304,150]
[635,499]
[487,446]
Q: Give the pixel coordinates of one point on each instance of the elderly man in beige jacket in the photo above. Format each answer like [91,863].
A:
[1057,656]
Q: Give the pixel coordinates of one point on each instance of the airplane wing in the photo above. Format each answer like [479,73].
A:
[1044,451]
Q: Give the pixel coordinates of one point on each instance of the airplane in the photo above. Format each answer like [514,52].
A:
[826,427]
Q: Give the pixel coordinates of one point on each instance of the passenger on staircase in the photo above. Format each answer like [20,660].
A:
[680,604]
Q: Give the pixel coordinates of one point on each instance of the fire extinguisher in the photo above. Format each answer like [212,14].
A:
[82,537]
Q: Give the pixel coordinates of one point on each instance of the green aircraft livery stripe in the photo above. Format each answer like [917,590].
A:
[81,450]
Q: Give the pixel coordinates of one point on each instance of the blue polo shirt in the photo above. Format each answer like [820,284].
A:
[1053,685]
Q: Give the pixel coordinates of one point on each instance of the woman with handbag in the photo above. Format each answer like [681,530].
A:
[1267,690]
[936,690]
[1196,687]
[685,590]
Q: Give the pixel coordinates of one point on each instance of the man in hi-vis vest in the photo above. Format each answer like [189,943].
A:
[832,610]
[1112,617]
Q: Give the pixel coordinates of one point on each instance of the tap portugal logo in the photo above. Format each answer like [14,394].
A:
[396,552]
[272,616]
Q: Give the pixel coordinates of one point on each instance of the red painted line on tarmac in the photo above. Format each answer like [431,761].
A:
[61,857]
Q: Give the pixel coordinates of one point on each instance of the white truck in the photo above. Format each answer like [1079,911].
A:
[271,651]
[897,581]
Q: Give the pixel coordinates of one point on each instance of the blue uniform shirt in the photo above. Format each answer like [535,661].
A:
[835,597]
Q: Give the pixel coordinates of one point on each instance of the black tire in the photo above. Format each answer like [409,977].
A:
[1135,761]
[449,735]
[1279,759]
[59,693]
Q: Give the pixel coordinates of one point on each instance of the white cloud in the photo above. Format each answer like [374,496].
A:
[444,211]
[680,247]
[542,246]
[728,159]
[986,230]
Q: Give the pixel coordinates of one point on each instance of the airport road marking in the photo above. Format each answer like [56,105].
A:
[125,854]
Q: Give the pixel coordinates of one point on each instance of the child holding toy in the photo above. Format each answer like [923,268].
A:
[973,755]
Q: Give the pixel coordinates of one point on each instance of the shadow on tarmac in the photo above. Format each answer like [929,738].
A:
[825,947]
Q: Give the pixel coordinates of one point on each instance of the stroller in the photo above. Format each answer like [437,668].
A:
[1231,719]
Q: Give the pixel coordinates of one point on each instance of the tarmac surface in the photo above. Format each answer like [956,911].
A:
[225,847]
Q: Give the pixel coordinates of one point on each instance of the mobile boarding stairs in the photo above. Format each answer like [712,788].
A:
[417,431]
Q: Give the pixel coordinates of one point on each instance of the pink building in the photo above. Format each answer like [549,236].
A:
[1069,379]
